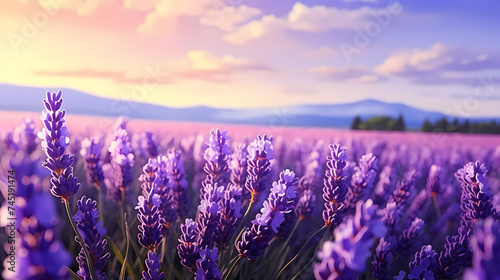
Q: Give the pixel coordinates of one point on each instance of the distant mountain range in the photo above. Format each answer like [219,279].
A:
[21,98]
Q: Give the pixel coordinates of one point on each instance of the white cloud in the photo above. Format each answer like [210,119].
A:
[416,60]
[228,17]
[203,65]
[439,64]
[269,24]
[303,18]
[166,10]
[350,73]
[321,18]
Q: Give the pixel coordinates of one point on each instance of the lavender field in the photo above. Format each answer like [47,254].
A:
[160,200]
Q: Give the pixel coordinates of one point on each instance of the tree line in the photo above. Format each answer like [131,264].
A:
[464,126]
[379,123]
[441,125]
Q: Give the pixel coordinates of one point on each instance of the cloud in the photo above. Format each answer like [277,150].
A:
[302,18]
[196,64]
[140,5]
[350,73]
[322,52]
[82,7]
[206,66]
[321,18]
[440,64]
[118,77]
[365,1]
[267,25]
[167,10]
[229,17]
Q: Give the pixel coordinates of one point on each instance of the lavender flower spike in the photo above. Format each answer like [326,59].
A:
[216,156]
[92,232]
[91,153]
[476,194]
[153,267]
[230,215]
[54,143]
[335,187]
[239,168]
[486,245]
[424,264]
[347,255]
[207,265]
[25,136]
[39,252]
[209,212]
[265,225]
[260,152]
[177,179]
[118,173]
[362,182]
[188,246]
[149,218]
[433,186]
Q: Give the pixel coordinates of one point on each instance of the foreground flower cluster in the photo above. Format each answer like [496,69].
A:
[226,207]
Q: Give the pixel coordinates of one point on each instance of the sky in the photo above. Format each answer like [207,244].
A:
[437,55]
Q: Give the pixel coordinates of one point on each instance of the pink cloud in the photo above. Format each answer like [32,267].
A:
[117,77]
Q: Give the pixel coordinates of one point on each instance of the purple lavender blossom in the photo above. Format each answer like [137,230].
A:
[345,257]
[118,173]
[217,156]
[335,187]
[424,264]
[260,152]
[386,182]
[39,252]
[305,204]
[207,265]
[188,246]
[308,183]
[455,256]
[169,207]
[26,137]
[91,153]
[209,212]
[230,215]
[178,182]
[54,143]
[476,194]
[265,225]
[397,202]
[92,233]
[239,169]
[148,216]
[408,237]
[485,243]
[433,186]
[148,144]
[362,182]
[381,264]
[153,263]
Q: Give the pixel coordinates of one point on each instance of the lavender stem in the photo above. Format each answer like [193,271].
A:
[93,275]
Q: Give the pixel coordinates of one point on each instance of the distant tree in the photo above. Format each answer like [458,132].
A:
[427,126]
[465,127]
[356,122]
[454,126]
[399,124]
[442,124]
[378,123]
